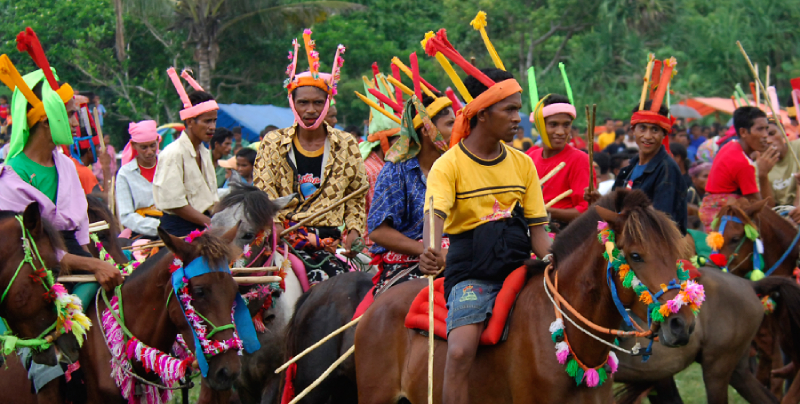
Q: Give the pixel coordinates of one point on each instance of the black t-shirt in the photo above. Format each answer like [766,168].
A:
[309,169]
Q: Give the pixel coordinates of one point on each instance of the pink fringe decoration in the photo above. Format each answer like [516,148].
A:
[591,378]
[601,226]
[169,369]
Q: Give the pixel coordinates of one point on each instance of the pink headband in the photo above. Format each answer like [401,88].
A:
[141,132]
[331,79]
[190,111]
[559,108]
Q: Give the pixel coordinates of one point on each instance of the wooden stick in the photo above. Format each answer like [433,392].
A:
[590,149]
[256,279]
[112,200]
[326,210]
[558,198]
[432,245]
[767,82]
[650,61]
[238,279]
[769,102]
[549,175]
[152,244]
[315,346]
[254,270]
[324,375]
[98,228]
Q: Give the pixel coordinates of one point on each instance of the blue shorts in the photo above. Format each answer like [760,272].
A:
[471,302]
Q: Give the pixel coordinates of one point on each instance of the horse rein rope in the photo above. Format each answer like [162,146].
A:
[548,287]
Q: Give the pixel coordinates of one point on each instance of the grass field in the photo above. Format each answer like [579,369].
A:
[690,384]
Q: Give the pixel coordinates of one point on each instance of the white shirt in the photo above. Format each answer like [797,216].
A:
[135,192]
[179,181]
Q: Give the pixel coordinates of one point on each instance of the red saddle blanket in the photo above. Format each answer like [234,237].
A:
[417,317]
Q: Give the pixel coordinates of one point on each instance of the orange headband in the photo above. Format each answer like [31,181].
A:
[493,95]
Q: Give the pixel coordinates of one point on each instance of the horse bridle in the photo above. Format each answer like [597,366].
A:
[43,276]
[756,255]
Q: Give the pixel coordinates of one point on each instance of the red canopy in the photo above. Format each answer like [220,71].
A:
[706,106]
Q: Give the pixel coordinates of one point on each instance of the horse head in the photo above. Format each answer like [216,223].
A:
[653,285]
[749,239]
[251,209]
[26,305]
[211,296]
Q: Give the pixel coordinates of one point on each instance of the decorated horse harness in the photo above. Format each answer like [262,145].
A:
[70,316]
[690,294]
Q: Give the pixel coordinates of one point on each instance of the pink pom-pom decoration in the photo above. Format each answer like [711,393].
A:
[306,31]
[613,362]
[675,304]
[562,356]
[601,225]
[591,378]
[694,293]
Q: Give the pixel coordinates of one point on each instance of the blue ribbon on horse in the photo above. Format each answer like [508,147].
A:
[241,315]
[615,296]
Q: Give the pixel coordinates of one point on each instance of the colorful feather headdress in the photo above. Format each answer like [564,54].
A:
[540,111]
[312,77]
[190,111]
[383,123]
[438,46]
[658,83]
[54,96]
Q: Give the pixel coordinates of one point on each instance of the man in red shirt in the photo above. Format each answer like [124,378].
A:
[742,166]
[558,114]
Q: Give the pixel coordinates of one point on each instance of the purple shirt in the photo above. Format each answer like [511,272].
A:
[69,213]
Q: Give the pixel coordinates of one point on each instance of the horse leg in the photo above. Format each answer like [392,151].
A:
[666,392]
[748,386]
[793,395]
[717,370]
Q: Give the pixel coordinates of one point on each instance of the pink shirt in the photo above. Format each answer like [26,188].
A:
[97,169]
[69,213]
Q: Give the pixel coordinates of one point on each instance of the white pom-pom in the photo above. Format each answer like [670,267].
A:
[556,325]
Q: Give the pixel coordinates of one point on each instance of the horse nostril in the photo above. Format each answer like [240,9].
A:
[677,325]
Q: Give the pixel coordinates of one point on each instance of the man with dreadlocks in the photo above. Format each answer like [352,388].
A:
[44,117]
[319,165]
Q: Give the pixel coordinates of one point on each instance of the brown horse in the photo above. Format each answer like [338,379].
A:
[778,237]
[154,316]
[25,311]
[787,298]
[391,360]
[726,325]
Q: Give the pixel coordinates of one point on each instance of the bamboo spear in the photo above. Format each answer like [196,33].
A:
[326,210]
[590,121]
[432,245]
[769,102]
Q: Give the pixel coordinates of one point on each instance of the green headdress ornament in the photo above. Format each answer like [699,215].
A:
[50,107]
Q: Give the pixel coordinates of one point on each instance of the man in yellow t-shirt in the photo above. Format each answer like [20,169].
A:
[487,198]
[608,136]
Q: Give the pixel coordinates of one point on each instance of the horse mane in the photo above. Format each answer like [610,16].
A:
[52,234]
[99,208]
[213,249]
[737,211]
[641,221]
[257,207]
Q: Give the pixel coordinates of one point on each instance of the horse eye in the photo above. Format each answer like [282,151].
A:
[736,239]
[636,257]
[249,236]
[198,292]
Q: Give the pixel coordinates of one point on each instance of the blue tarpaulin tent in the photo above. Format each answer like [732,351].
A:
[253,118]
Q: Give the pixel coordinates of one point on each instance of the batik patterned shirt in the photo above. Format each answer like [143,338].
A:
[275,173]
[399,200]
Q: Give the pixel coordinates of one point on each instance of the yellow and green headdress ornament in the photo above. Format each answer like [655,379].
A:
[540,111]
[383,123]
[50,107]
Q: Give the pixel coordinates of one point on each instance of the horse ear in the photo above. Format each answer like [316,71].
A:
[32,219]
[175,244]
[755,208]
[230,235]
[281,202]
[608,216]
